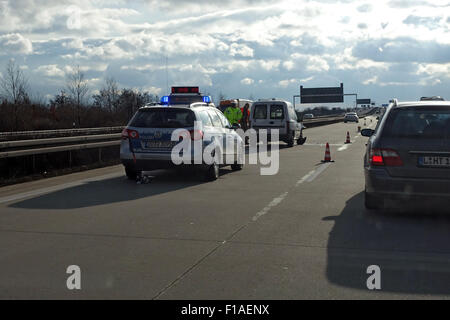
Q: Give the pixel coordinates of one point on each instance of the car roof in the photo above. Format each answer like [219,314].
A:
[422,103]
[192,106]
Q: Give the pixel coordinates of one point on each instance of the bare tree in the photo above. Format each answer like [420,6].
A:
[13,83]
[14,86]
[77,87]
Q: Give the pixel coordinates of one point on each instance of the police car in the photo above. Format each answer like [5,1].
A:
[156,136]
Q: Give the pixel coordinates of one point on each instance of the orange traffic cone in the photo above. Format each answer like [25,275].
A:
[348,138]
[327,154]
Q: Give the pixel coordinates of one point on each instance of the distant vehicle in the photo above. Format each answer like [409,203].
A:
[146,140]
[277,114]
[308,116]
[434,98]
[351,117]
[408,154]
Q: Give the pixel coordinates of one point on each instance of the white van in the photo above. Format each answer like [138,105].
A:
[277,114]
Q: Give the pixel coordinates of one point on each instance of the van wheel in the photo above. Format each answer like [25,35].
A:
[130,172]
[372,202]
[291,140]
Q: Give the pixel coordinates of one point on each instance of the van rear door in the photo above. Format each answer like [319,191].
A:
[259,115]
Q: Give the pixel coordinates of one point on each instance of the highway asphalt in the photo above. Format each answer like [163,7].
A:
[300,234]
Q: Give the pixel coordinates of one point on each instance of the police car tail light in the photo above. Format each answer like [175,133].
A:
[385,157]
[130,134]
[196,134]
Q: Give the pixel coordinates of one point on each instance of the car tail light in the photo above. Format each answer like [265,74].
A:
[196,134]
[385,157]
[129,134]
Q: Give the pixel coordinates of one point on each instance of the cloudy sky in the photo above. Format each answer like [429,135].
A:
[241,48]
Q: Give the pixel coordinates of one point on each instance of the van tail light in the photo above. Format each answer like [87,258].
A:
[129,134]
[385,157]
[196,134]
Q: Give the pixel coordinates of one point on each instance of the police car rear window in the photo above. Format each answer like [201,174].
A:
[163,118]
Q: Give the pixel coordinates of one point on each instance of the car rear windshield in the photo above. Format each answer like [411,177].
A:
[163,118]
[276,112]
[260,111]
[426,123]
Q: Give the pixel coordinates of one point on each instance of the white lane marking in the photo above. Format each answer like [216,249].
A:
[299,182]
[344,147]
[272,204]
[313,174]
[38,192]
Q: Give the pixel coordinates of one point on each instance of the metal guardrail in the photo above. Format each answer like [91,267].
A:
[26,147]
[36,142]
[60,131]
[31,152]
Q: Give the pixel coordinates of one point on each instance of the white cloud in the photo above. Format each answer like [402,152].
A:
[241,50]
[247,81]
[51,70]
[15,43]
[228,45]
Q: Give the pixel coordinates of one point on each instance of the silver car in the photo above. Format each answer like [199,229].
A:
[147,140]
[408,154]
[351,117]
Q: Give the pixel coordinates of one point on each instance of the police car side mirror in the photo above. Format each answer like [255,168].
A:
[235,126]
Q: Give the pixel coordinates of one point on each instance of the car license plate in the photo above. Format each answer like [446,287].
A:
[434,161]
[159,144]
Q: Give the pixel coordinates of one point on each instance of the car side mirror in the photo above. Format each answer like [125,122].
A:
[367,132]
[235,126]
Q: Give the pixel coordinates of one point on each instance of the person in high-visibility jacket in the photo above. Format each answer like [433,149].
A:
[233,114]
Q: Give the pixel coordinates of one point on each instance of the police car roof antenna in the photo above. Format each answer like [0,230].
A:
[167,73]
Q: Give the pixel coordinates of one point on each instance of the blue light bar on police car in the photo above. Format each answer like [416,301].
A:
[165,100]
[207,99]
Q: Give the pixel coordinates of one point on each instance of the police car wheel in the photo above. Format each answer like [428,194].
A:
[212,173]
[237,167]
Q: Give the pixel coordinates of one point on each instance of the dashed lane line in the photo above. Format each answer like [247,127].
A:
[276,201]
[311,176]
